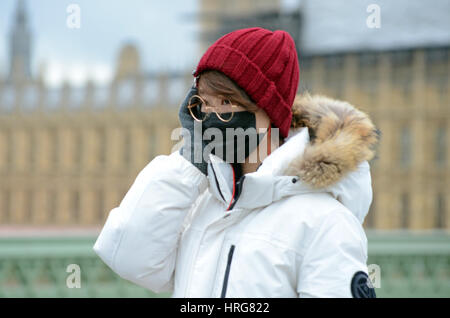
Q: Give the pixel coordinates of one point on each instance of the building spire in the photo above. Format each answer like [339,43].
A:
[20,45]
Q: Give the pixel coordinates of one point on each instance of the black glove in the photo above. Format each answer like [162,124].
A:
[187,122]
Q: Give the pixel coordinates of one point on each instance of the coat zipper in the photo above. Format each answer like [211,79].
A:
[238,192]
[227,271]
[217,185]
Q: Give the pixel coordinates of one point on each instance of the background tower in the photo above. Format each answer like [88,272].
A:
[20,45]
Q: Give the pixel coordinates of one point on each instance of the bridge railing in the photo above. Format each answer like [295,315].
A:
[409,265]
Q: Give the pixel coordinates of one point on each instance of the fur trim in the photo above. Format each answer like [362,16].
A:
[341,138]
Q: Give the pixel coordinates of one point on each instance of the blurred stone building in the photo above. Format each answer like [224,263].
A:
[68,155]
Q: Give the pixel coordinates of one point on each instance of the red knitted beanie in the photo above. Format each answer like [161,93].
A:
[264,64]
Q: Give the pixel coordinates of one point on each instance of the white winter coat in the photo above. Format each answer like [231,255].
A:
[294,234]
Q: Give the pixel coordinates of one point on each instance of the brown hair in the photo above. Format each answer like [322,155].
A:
[217,83]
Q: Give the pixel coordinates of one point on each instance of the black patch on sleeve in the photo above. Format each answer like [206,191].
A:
[361,286]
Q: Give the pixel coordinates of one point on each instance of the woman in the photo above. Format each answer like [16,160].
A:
[288,224]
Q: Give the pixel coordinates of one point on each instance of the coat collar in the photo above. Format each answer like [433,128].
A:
[326,151]
[262,187]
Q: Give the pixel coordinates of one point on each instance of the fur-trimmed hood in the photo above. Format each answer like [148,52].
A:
[341,137]
[327,150]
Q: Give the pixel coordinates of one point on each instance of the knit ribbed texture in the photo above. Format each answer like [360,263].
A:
[264,64]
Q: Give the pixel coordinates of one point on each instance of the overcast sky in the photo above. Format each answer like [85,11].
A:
[166,32]
[162,30]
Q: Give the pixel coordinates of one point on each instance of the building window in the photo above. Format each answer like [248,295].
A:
[29,205]
[52,205]
[33,149]
[3,150]
[78,146]
[10,150]
[436,70]
[441,146]
[405,210]
[54,146]
[436,56]
[100,205]
[75,206]
[101,146]
[402,71]
[440,211]
[368,59]
[405,147]
[334,61]
[334,68]
[152,142]
[6,206]
[127,148]
[402,57]
[24,150]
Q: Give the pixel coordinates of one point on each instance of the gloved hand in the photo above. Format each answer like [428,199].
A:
[187,122]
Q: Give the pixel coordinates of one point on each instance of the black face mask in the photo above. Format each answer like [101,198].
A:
[232,141]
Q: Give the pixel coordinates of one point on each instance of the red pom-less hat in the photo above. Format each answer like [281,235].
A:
[264,64]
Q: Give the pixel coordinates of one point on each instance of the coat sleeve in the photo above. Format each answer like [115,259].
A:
[335,259]
[140,237]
